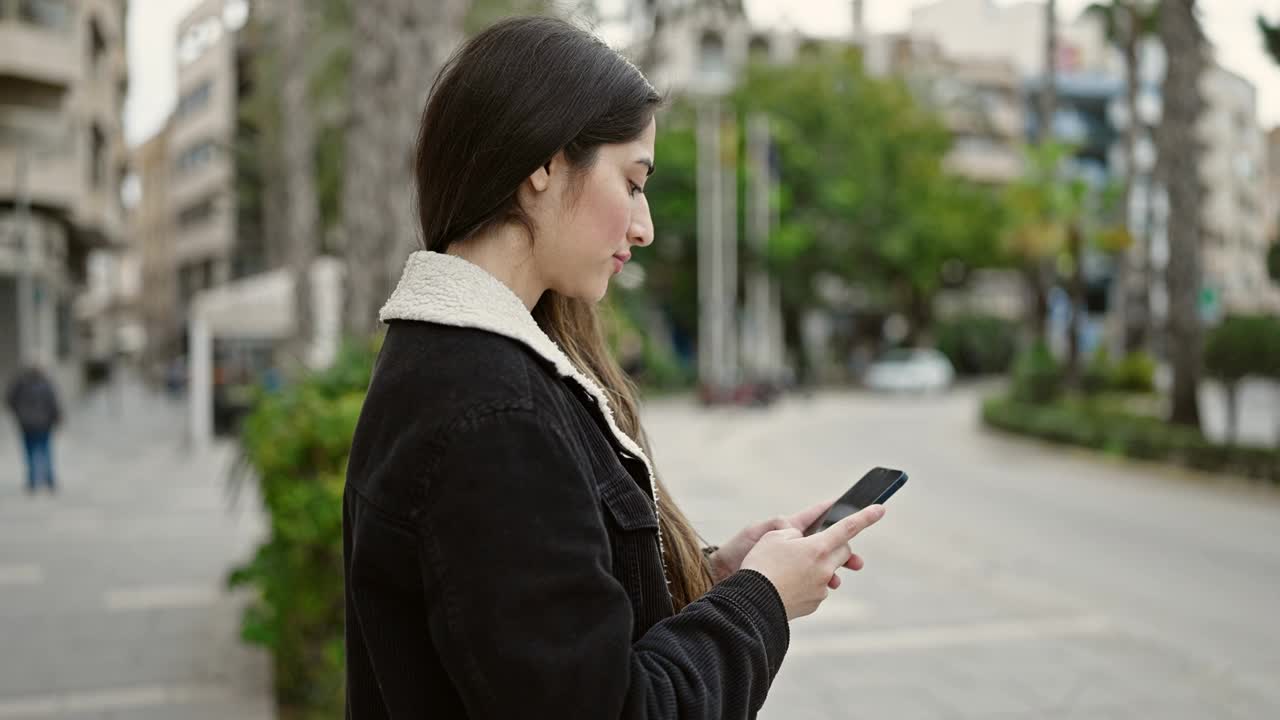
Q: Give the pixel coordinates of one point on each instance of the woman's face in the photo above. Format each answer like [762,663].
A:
[585,238]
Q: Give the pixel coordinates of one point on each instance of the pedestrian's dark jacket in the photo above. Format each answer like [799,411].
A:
[501,545]
[34,402]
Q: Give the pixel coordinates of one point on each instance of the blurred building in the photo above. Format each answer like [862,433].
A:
[980,100]
[974,29]
[151,226]
[704,50]
[201,187]
[1235,208]
[63,79]
[1273,185]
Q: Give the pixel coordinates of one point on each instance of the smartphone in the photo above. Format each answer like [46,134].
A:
[874,488]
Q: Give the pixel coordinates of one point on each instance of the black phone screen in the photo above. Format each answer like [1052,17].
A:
[874,487]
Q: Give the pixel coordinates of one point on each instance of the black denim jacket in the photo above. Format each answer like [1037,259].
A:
[501,546]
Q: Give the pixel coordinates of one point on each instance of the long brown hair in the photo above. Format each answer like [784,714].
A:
[510,99]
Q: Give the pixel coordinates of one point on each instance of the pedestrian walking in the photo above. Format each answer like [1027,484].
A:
[34,403]
[509,549]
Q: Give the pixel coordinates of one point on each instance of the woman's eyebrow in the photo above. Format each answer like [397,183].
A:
[647,163]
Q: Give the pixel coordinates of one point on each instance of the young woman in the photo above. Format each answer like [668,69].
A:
[509,550]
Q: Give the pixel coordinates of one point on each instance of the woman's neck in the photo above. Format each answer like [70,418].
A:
[506,254]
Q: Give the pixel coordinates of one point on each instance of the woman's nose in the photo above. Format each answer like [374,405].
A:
[641,230]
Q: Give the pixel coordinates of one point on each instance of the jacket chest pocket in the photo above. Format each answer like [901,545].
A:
[633,538]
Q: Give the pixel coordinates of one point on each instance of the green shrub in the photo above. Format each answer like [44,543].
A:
[297,442]
[1136,373]
[1142,437]
[1098,374]
[1037,375]
[1243,345]
[977,344]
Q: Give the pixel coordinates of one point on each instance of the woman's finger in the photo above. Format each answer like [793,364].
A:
[835,539]
[855,562]
[834,582]
[806,517]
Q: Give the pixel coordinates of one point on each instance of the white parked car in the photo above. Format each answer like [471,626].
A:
[910,370]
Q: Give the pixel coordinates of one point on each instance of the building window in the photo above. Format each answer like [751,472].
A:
[65,325]
[758,49]
[97,156]
[712,62]
[48,14]
[97,46]
[195,157]
[197,213]
[195,99]
[198,38]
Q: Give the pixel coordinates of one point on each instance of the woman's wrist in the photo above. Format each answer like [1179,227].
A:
[718,571]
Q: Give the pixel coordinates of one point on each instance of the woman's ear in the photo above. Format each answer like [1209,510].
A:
[540,180]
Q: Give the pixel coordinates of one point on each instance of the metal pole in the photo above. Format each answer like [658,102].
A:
[200,379]
[710,269]
[757,239]
[729,249]
[28,323]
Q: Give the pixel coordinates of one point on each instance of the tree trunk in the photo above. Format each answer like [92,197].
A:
[1180,152]
[1038,302]
[1231,388]
[1135,264]
[1049,93]
[298,145]
[398,47]
[919,314]
[1076,291]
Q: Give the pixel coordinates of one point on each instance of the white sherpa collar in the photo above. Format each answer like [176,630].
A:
[449,290]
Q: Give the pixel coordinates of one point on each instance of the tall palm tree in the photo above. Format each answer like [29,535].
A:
[1270,37]
[1049,93]
[1179,169]
[397,48]
[1037,267]
[1126,23]
[298,148]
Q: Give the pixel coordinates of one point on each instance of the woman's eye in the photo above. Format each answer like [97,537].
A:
[635,189]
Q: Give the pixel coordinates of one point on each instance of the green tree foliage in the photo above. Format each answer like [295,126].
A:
[862,192]
[671,264]
[1053,217]
[1241,346]
[1270,37]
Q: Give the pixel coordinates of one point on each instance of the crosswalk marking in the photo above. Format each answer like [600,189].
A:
[161,597]
[938,636]
[21,575]
[113,699]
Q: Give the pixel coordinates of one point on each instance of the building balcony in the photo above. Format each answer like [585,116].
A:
[48,55]
[98,218]
[44,140]
[984,162]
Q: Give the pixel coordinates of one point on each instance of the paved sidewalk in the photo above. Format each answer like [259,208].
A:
[112,600]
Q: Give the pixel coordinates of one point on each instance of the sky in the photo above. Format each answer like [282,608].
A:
[1228,23]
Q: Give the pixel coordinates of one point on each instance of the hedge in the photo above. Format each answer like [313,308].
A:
[977,344]
[1096,426]
[297,442]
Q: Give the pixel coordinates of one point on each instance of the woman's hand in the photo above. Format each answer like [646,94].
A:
[800,567]
[727,560]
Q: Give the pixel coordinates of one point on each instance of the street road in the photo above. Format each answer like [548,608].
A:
[1009,579]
